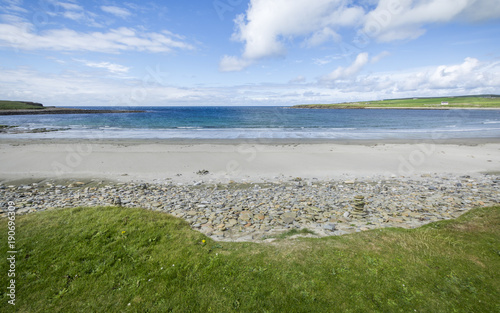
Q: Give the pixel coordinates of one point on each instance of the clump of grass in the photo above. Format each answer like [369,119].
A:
[110,259]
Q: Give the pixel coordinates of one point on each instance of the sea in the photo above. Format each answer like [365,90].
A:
[224,122]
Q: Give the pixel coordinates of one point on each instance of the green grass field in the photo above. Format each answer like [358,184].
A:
[453,102]
[109,259]
[18,105]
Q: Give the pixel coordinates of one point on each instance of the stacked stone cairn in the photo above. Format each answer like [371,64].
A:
[117,201]
[359,207]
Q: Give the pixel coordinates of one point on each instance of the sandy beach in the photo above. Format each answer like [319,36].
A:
[248,190]
[240,160]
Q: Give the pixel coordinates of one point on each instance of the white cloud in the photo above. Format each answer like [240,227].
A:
[111,67]
[13,6]
[76,16]
[12,19]
[455,75]
[298,80]
[482,10]
[78,88]
[380,56]
[67,5]
[70,11]
[326,60]
[267,25]
[54,59]
[21,35]
[406,19]
[232,64]
[322,36]
[468,77]
[341,72]
[117,11]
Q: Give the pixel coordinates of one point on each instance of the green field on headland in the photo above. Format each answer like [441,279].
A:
[29,108]
[111,259]
[20,105]
[482,101]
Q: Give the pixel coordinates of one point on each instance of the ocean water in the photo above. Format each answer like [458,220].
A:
[262,123]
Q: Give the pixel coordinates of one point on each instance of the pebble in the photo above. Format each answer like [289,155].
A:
[251,212]
[330,227]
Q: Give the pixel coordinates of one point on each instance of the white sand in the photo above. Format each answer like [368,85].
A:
[123,160]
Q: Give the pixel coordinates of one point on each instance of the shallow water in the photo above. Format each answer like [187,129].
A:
[263,122]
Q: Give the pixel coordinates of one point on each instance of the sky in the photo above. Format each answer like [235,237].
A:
[237,52]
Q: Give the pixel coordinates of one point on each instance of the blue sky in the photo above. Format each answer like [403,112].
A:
[236,52]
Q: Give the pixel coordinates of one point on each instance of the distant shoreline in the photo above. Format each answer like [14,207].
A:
[473,102]
[62,111]
[340,107]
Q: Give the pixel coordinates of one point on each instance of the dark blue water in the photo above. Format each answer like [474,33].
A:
[264,122]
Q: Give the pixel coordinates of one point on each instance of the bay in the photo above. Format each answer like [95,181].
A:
[262,122]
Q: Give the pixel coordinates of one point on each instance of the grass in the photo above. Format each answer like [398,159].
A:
[19,105]
[453,102]
[108,259]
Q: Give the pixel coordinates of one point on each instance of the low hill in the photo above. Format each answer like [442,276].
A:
[29,108]
[464,102]
[20,105]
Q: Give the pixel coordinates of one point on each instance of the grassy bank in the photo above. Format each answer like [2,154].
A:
[19,105]
[110,259]
[431,103]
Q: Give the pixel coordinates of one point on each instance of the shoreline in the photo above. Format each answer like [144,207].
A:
[247,191]
[62,111]
[241,160]
[300,106]
[240,141]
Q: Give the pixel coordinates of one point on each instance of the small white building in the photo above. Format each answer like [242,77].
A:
[444,102]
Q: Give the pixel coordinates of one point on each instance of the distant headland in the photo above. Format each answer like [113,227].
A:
[28,108]
[423,103]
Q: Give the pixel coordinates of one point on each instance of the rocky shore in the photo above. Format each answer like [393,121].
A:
[256,211]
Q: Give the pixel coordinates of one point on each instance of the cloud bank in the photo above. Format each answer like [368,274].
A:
[23,36]
[268,26]
[471,76]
